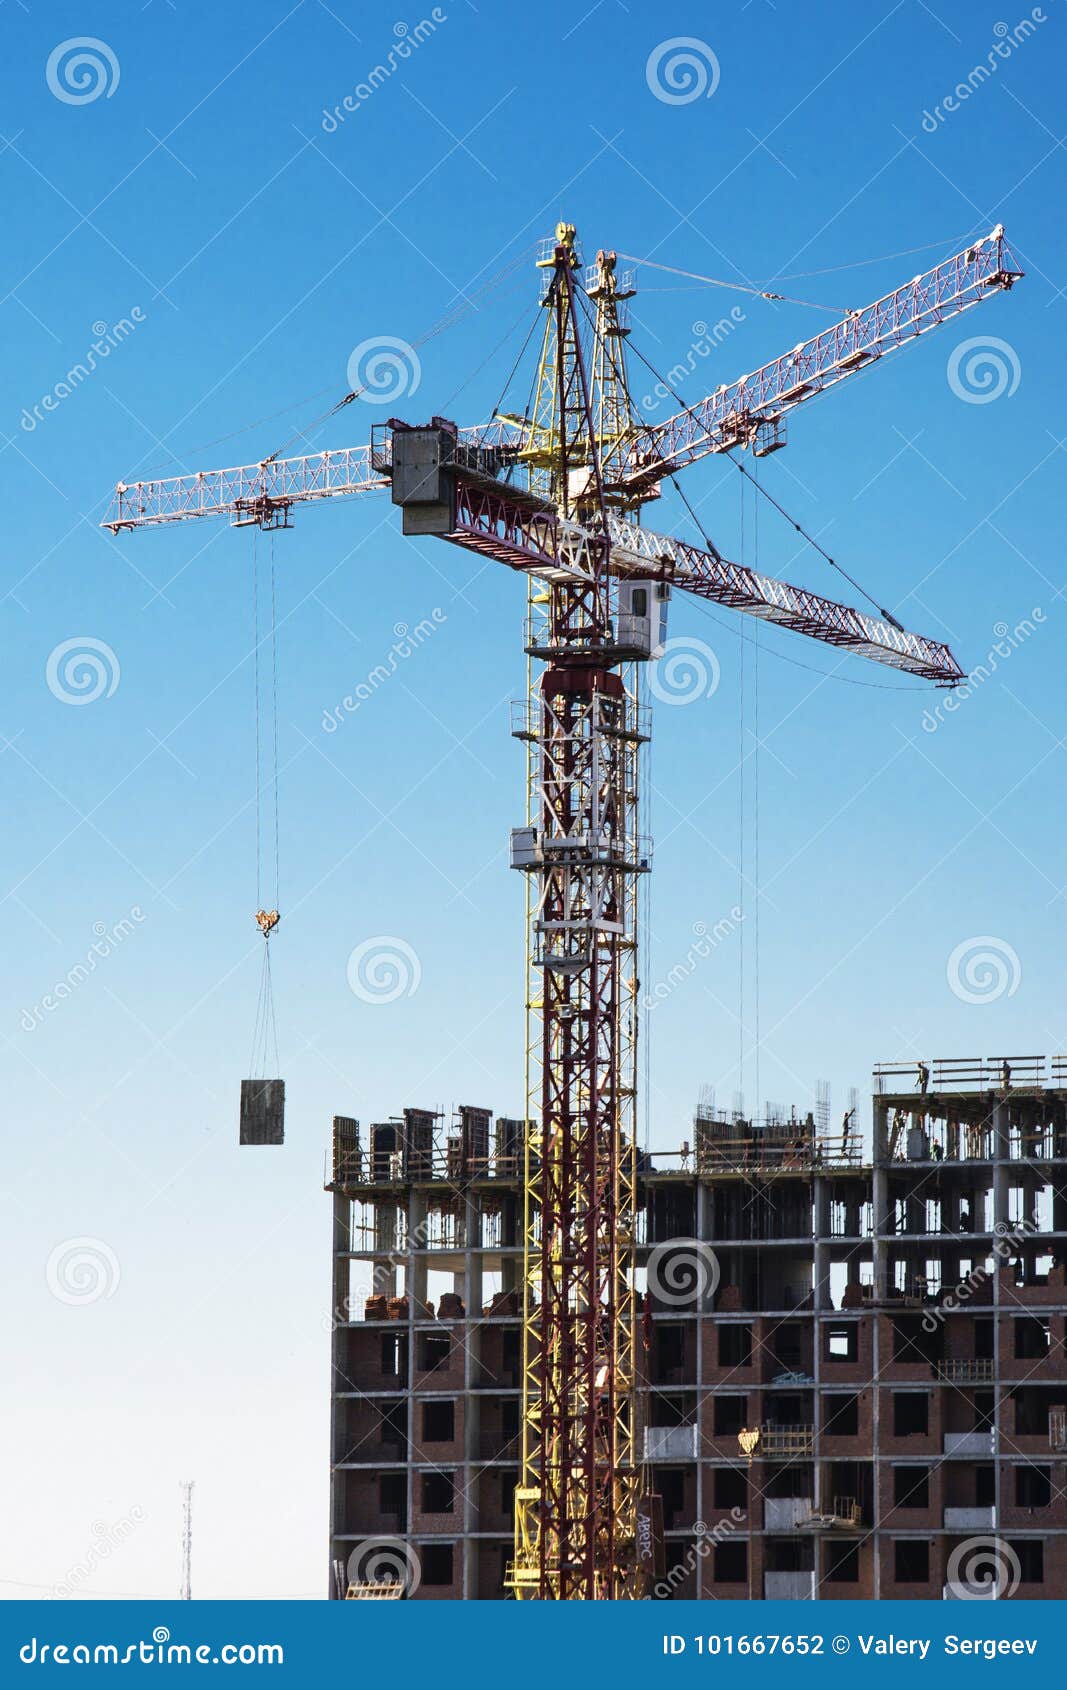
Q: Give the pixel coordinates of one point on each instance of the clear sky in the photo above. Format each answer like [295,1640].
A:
[204,210]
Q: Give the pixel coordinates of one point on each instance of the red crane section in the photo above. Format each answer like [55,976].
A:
[487,517]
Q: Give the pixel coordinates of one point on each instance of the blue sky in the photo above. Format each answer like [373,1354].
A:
[201,200]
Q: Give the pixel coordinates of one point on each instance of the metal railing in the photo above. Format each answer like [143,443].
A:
[357,1165]
[969,1074]
[785,1441]
[964,1370]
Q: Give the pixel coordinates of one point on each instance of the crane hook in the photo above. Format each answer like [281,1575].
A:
[267,920]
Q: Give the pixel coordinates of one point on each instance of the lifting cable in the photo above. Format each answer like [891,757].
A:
[265,1031]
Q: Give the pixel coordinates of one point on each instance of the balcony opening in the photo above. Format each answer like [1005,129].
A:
[391,1355]
[1031,1413]
[1033,1486]
[911,1487]
[792,1480]
[794,1554]
[735,1346]
[670,1482]
[438,1493]
[911,1557]
[911,1414]
[842,1415]
[730,1415]
[668,1411]
[393,1425]
[731,1487]
[510,1353]
[668,1367]
[671,1214]
[437,1561]
[843,1563]
[912,1343]
[1031,1555]
[984,1411]
[983,1337]
[438,1422]
[434,1351]
[1033,1336]
[392,1493]
[985,1485]
[787,1348]
[731,1563]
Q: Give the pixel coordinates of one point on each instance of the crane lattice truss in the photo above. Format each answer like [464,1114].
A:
[557,496]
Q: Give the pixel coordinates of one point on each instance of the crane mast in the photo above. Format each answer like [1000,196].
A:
[576,1502]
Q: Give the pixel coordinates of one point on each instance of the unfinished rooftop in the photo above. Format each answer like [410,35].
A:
[873,1376]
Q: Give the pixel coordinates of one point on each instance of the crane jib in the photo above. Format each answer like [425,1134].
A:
[747,412]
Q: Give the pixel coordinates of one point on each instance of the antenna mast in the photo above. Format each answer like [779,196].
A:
[187,1539]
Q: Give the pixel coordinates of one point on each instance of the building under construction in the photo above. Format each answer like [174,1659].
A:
[851,1376]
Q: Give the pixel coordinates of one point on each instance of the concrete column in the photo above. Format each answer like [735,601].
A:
[880,1242]
[822,1298]
[416,1267]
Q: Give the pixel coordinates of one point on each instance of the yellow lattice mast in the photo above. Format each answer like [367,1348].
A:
[576,1503]
[616,423]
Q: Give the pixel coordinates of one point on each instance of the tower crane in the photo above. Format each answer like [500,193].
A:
[557,495]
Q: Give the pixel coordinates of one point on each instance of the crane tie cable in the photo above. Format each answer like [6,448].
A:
[886,614]
[736,287]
